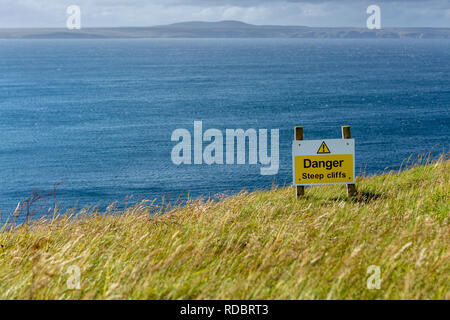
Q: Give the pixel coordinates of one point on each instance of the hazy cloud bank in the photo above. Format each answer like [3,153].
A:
[339,13]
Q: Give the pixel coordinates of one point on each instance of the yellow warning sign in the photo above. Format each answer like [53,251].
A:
[313,169]
[323,148]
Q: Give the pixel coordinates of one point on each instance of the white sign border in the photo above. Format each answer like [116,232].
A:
[352,145]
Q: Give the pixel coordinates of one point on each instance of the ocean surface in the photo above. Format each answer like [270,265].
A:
[97,115]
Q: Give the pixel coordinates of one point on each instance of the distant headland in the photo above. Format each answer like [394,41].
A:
[223,29]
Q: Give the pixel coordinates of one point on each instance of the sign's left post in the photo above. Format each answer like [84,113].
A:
[298,135]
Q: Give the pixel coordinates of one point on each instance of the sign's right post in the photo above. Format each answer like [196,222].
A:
[351,188]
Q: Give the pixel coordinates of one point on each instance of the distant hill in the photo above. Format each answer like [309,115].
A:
[224,29]
[203,24]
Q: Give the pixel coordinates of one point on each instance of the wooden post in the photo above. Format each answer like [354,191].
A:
[298,135]
[351,188]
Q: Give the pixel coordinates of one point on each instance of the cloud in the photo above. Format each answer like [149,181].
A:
[52,13]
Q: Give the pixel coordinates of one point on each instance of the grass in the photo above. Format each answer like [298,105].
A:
[260,245]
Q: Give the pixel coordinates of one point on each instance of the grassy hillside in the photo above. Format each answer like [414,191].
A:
[261,245]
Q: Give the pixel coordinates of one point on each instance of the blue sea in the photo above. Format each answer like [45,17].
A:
[97,115]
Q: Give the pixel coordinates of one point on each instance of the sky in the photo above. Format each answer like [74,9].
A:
[314,13]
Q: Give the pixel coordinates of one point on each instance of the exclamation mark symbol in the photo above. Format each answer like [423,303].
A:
[323,148]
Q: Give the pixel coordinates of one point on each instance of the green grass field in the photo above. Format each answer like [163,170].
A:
[260,245]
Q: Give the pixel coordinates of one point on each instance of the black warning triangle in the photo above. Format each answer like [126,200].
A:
[323,148]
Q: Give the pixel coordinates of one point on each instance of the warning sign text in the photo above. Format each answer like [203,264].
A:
[337,168]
